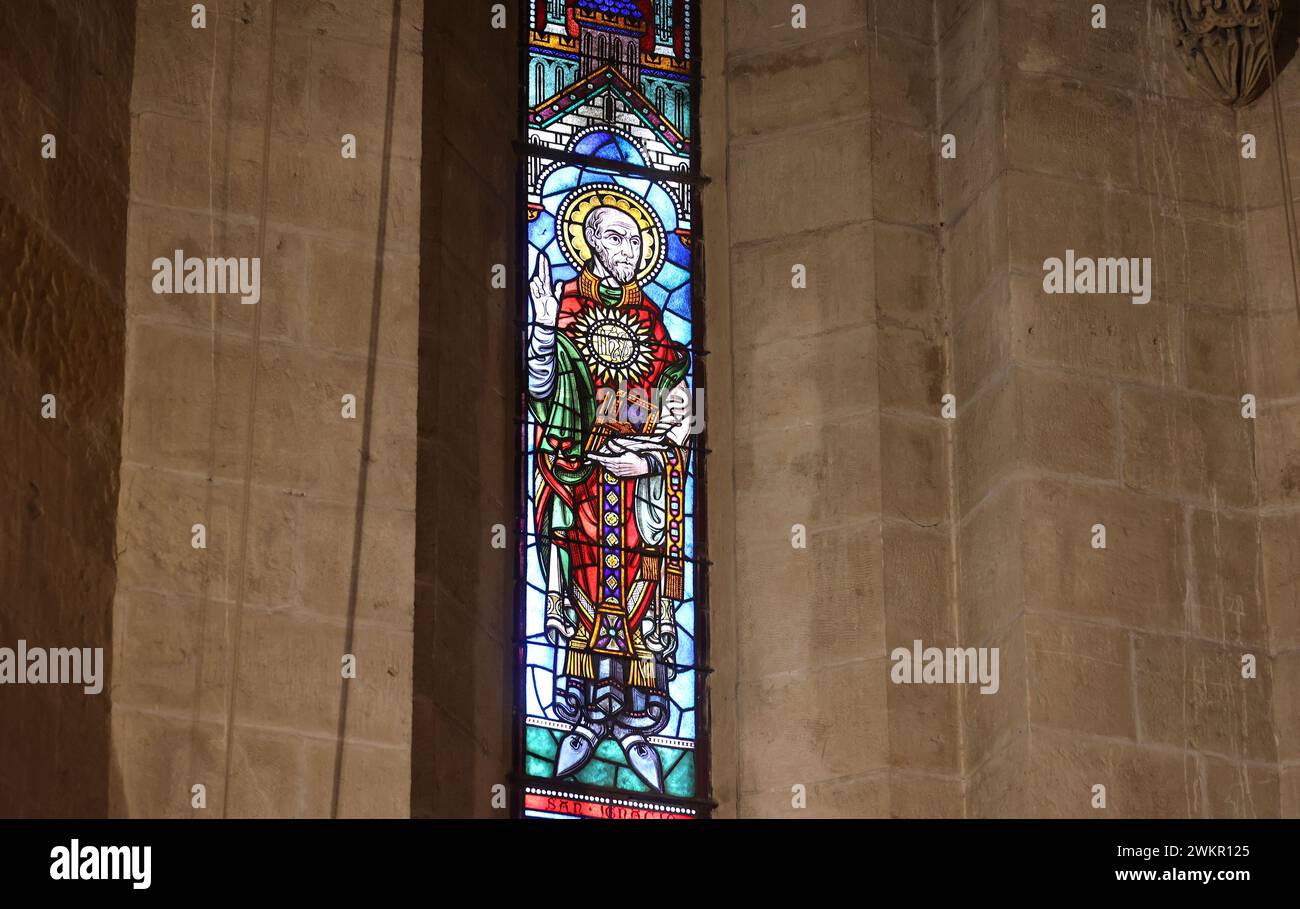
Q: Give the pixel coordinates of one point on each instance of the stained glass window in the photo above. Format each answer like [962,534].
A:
[610,711]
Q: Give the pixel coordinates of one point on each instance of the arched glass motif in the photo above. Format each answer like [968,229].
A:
[610,711]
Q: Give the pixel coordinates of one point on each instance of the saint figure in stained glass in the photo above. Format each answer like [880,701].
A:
[610,694]
[607,388]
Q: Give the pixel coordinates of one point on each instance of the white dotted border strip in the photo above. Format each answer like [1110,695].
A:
[663,741]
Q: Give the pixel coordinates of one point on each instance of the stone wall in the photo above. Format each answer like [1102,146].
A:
[468,420]
[828,504]
[228,658]
[854,277]
[1274,345]
[1121,666]
[65,71]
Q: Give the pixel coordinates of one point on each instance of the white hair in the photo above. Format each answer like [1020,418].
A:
[600,215]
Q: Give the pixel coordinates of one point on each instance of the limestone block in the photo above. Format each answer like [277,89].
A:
[266,774]
[468,219]
[342,300]
[1286,707]
[1138,580]
[903,171]
[1225,562]
[302,692]
[916,572]
[458,782]
[1238,789]
[969,52]
[1069,129]
[366,781]
[1290,792]
[1187,445]
[384,588]
[157,511]
[907,279]
[154,232]
[1066,423]
[156,762]
[803,85]
[807,379]
[975,250]
[1080,677]
[914,469]
[923,720]
[923,796]
[365,21]
[1278,432]
[1216,351]
[1280,559]
[839,268]
[1047,216]
[1274,355]
[990,580]
[1104,334]
[169,406]
[1191,694]
[994,719]
[467,565]
[985,445]
[903,17]
[793,729]
[168,154]
[1186,149]
[471,669]
[1270,286]
[170,653]
[348,92]
[1057,38]
[981,346]
[1140,782]
[913,370]
[187,79]
[980,131]
[801,181]
[865,796]
[755,25]
[1198,252]
[996,787]
[807,607]
[948,12]
[1261,176]
[903,71]
[794,476]
[475,117]
[313,186]
[300,398]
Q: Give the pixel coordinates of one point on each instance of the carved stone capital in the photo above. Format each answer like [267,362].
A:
[1225,45]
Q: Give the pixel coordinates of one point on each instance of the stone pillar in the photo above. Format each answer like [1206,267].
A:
[65,72]
[913,374]
[1275,381]
[228,659]
[468,417]
[809,674]
[1120,666]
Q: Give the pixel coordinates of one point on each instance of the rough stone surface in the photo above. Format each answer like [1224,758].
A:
[229,657]
[62,304]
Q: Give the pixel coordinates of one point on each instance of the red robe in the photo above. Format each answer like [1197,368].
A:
[627,351]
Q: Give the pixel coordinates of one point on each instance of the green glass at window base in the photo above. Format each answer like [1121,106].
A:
[608,769]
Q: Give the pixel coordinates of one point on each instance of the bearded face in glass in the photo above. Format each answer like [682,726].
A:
[615,242]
